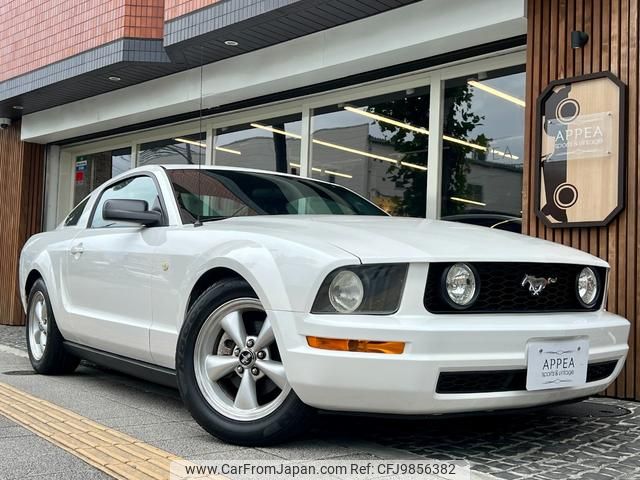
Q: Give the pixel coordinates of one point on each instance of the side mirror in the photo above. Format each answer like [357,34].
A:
[136,211]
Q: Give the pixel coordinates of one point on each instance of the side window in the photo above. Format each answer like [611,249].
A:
[135,188]
[76,213]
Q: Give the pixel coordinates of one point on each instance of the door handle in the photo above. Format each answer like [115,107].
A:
[77,250]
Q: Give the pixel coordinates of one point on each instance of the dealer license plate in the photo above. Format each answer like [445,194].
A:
[557,364]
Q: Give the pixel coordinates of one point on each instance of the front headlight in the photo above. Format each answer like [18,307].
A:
[460,285]
[362,289]
[346,291]
[588,287]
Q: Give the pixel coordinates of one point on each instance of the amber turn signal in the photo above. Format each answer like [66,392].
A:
[367,346]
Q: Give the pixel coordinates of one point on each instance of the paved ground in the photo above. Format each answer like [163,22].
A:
[13,337]
[597,439]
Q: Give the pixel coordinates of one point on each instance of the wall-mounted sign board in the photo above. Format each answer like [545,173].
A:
[580,160]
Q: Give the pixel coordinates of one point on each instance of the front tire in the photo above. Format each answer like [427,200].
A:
[230,372]
[44,341]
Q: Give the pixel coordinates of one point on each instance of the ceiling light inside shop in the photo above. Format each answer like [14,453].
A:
[338,174]
[354,151]
[328,172]
[326,144]
[228,150]
[480,147]
[18,107]
[191,142]
[424,131]
[338,147]
[231,43]
[113,78]
[497,93]
[390,121]
[413,165]
[204,145]
[466,200]
[276,130]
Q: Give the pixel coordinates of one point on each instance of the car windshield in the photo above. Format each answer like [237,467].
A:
[218,194]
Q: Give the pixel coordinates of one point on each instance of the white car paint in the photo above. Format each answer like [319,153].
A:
[127,294]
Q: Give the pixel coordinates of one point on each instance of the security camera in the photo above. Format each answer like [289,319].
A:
[4,123]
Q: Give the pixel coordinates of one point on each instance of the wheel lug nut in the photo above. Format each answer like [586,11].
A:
[236,351]
[250,343]
[255,371]
[240,370]
[261,355]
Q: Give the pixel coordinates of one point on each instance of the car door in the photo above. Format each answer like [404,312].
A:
[109,268]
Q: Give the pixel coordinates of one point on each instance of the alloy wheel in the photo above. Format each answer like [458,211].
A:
[237,363]
[38,320]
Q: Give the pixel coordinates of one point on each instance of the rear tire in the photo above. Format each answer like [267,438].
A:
[230,373]
[44,341]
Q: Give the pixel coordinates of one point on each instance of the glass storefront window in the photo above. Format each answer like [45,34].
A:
[91,171]
[483,148]
[184,149]
[272,144]
[377,147]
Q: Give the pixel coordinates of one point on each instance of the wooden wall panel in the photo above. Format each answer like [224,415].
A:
[21,196]
[613,31]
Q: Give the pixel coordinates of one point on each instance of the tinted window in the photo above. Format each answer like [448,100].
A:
[76,213]
[135,188]
[214,194]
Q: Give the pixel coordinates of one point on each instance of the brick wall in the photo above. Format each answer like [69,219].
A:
[176,8]
[35,33]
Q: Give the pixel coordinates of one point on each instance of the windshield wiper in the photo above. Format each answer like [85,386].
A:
[223,217]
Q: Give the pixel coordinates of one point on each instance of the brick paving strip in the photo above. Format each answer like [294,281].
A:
[121,456]
[116,454]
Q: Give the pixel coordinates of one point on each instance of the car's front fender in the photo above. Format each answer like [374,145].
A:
[285,274]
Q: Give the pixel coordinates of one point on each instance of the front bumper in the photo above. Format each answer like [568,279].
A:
[406,383]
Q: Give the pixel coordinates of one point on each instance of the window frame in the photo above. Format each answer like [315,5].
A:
[110,184]
[433,77]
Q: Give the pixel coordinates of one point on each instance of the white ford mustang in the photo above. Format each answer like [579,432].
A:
[265,296]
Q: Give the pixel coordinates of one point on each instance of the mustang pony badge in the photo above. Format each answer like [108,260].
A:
[537,285]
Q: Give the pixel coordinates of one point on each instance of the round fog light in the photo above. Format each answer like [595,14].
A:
[461,285]
[587,287]
[346,292]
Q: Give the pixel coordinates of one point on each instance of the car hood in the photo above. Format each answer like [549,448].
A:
[397,239]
